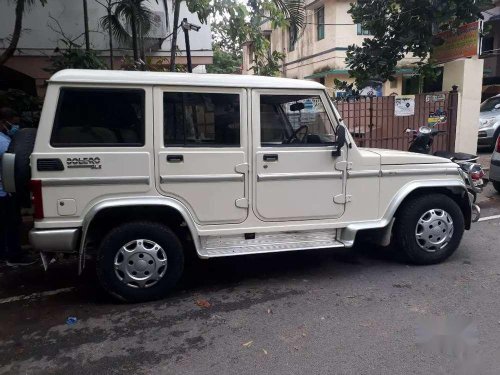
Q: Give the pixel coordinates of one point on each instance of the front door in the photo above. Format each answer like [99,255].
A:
[201,148]
[296,177]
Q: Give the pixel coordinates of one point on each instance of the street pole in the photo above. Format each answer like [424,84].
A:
[86,25]
[188,47]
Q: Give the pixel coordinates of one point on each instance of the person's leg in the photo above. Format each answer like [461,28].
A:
[15,255]
[3,229]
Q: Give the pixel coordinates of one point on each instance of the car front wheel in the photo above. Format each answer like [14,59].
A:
[140,261]
[428,229]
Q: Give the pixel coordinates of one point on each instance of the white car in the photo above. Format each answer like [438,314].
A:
[136,168]
[489,122]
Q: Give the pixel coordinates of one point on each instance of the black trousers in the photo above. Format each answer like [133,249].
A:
[10,225]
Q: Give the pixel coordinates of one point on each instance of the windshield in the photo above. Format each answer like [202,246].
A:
[489,105]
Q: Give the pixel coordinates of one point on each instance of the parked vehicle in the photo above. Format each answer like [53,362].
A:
[495,167]
[138,168]
[489,122]
[422,141]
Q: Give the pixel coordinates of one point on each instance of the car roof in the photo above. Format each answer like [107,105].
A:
[123,77]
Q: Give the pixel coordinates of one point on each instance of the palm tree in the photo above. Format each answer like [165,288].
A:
[21,7]
[293,11]
[137,17]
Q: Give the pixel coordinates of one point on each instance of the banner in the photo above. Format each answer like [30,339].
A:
[404,105]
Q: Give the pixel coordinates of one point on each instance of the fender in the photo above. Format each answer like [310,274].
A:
[135,201]
[349,233]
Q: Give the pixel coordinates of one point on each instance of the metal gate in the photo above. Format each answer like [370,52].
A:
[373,123]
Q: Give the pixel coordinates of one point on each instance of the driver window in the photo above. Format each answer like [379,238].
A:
[294,120]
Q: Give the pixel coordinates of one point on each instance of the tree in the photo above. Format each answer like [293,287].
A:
[224,62]
[72,55]
[239,22]
[173,46]
[401,27]
[106,24]
[21,7]
[137,16]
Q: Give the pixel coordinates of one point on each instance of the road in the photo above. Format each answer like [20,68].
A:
[321,312]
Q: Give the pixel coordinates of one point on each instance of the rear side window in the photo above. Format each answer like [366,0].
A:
[99,118]
[201,119]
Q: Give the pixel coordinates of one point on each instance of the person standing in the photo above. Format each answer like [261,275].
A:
[10,212]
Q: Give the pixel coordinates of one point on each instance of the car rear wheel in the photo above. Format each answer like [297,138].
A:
[22,146]
[140,261]
[496,185]
[428,229]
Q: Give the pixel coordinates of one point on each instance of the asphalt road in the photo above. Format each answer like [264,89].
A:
[321,312]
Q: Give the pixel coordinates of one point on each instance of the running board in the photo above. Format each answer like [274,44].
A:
[221,246]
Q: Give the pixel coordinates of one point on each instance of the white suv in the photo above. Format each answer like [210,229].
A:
[136,168]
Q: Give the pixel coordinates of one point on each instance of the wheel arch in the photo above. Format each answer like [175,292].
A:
[110,213]
[380,230]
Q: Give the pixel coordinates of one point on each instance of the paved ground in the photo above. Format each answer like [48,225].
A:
[323,312]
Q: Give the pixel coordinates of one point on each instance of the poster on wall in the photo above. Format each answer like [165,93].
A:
[404,105]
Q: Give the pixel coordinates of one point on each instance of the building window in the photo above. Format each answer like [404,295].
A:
[320,23]
[362,31]
[99,118]
[201,119]
[292,36]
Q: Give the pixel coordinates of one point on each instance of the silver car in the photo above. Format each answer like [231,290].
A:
[495,166]
[489,122]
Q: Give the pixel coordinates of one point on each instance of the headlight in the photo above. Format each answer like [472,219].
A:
[486,123]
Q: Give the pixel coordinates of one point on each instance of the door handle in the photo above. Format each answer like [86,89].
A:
[175,158]
[270,157]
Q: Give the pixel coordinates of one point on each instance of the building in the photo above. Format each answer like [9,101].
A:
[320,51]
[41,35]
[490,51]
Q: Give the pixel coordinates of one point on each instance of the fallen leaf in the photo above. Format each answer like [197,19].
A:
[269,311]
[248,344]
[265,351]
[203,303]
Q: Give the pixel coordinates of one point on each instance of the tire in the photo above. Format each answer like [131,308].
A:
[496,185]
[140,237]
[22,146]
[429,248]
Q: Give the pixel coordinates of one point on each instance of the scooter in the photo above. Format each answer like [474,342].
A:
[421,143]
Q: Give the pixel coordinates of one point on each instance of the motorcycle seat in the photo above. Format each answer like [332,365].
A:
[455,155]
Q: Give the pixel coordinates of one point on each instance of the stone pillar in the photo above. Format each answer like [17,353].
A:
[467,74]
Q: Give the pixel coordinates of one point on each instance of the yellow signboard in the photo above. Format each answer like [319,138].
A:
[461,43]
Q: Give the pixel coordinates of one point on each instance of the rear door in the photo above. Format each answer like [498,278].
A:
[201,147]
[296,177]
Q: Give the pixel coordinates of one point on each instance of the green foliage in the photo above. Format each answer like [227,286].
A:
[225,62]
[27,106]
[237,22]
[73,56]
[401,27]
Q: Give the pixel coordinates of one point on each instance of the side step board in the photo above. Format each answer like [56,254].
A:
[221,246]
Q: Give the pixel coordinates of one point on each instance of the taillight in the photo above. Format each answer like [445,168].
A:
[36,199]
[497,148]
[477,175]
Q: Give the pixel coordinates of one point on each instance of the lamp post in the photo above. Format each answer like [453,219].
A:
[186,26]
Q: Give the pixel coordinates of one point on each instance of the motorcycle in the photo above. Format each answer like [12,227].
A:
[421,142]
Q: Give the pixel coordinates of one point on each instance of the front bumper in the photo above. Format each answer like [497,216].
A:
[495,167]
[55,240]
[486,135]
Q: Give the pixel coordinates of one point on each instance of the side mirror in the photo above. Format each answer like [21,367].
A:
[340,142]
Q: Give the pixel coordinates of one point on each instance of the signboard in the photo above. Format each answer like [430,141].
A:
[458,44]
[404,105]
[435,98]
